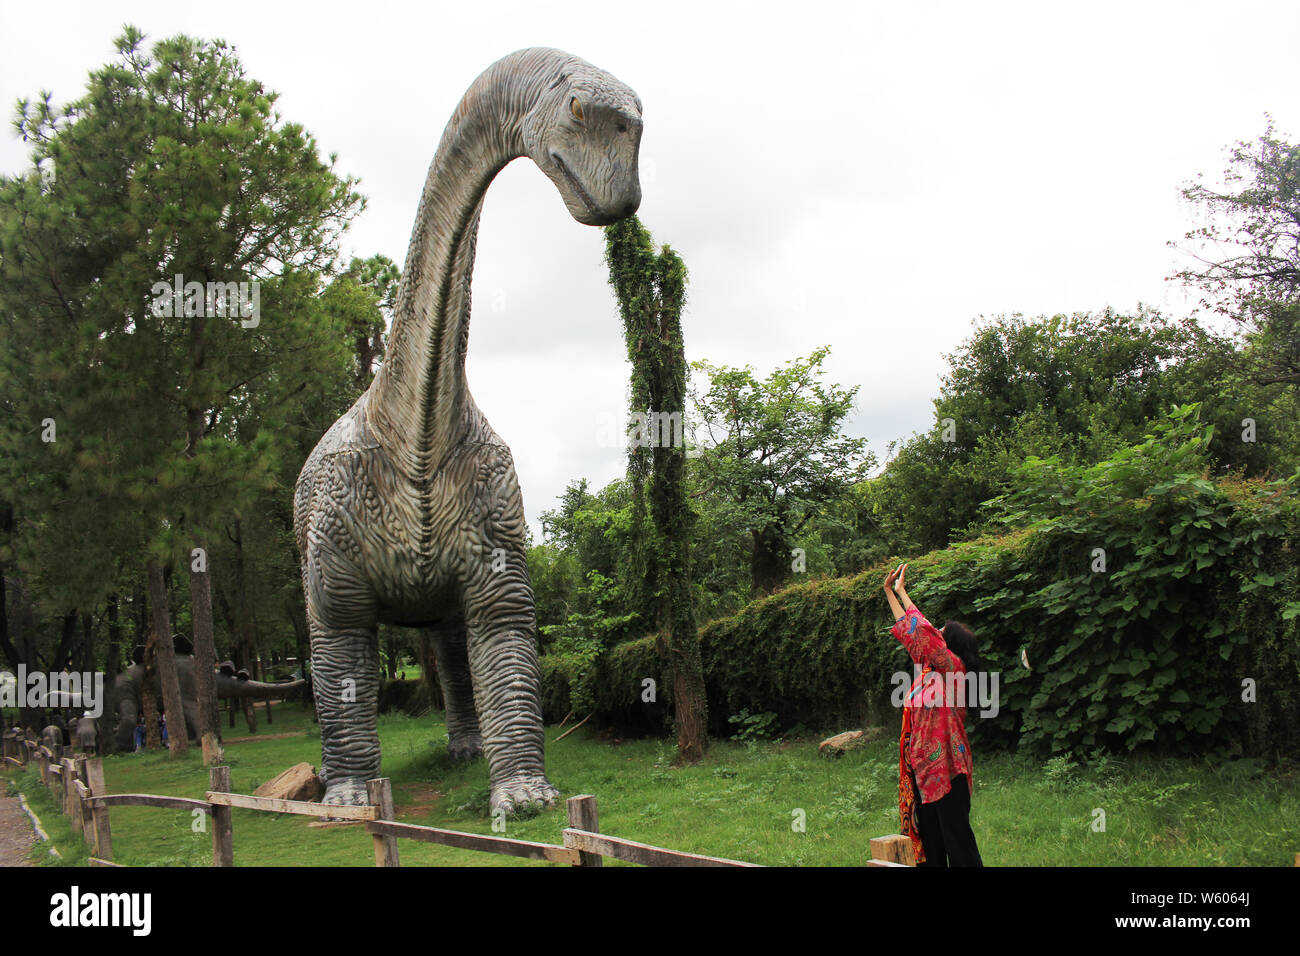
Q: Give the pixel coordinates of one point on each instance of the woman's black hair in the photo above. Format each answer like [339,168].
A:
[961,641]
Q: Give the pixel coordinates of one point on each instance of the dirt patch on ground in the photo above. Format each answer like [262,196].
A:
[422,796]
[16,834]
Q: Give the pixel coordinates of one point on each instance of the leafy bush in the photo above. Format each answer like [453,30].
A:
[611,685]
[752,726]
[1168,591]
[1059,772]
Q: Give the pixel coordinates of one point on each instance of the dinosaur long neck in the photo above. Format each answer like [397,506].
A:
[419,407]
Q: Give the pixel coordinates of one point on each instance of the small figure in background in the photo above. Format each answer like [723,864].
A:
[86,734]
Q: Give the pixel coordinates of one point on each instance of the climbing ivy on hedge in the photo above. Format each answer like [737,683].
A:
[1161,596]
[1200,592]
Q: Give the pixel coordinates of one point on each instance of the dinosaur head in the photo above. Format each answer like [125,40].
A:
[584,131]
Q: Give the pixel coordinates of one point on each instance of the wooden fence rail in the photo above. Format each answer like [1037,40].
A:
[475,841]
[299,807]
[78,782]
[629,851]
[106,800]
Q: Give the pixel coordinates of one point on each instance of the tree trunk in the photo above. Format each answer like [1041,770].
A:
[113,657]
[245,652]
[27,648]
[140,609]
[429,668]
[10,652]
[87,644]
[205,652]
[62,658]
[205,658]
[165,653]
[769,561]
[148,697]
[672,519]
[302,643]
[27,717]
[391,652]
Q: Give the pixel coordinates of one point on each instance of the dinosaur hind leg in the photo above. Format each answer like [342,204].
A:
[464,741]
[345,678]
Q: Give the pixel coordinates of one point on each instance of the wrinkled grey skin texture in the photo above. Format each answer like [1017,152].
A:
[117,723]
[408,512]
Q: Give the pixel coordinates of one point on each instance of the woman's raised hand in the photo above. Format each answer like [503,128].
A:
[899,575]
[891,577]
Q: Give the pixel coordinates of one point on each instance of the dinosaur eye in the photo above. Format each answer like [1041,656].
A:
[575,107]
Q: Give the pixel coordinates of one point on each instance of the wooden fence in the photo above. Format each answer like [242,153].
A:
[77,782]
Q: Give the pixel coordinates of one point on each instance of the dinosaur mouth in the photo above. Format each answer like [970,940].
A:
[577,188]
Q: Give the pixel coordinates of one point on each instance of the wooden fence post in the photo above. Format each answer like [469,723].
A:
[380,794]
[223,836]
[45,766]
[61,778]
[893,849]
[99,815]
[583,816]
[70,793]
[82,811]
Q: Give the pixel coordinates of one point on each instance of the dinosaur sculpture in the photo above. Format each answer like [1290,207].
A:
[408,511]
[117,722]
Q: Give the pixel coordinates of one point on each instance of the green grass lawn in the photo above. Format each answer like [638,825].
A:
[740,802]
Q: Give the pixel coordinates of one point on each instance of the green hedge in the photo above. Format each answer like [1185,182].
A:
[1200,593]
[612,686]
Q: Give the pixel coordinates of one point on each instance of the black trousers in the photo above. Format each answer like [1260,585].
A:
[945,827]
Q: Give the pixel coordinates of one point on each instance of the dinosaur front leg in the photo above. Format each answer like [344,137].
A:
[464,742]
[507,683]
[345,677]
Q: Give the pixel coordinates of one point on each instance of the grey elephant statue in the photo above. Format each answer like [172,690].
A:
[123,704]
[408,512]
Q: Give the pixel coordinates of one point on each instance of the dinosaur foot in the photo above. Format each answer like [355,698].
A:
[348,792]
[517,793]
[465,747]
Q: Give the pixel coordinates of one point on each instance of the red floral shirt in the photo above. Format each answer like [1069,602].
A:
[938,749]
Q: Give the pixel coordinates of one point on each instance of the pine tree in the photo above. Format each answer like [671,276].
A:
[173,172]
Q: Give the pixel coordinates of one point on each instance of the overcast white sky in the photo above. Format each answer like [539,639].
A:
[869,176]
